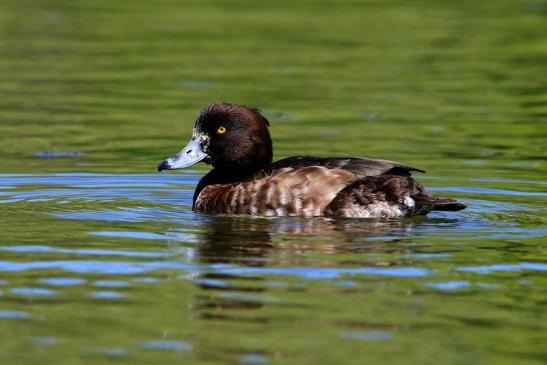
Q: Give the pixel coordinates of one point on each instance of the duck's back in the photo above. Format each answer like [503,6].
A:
[358,166]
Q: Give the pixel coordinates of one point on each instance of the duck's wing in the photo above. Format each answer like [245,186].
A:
[387,196]
[359,166]
[296,191]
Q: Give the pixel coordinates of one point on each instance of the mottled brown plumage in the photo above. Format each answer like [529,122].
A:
[303,191]
[386,196]
[235,140]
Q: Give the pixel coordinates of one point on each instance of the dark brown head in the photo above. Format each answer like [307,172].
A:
[227,136]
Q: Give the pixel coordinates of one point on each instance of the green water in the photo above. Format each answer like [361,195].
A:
[102,260]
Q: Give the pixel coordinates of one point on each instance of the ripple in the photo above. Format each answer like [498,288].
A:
[449,285]
[509,181]
[345,284]
[132,215]
[428,255]
[169,345]
[102,267]
[487,191]
[212,283]
[43,195]
[157,189]
[115,351]
[128,268]
[135,234]
[367,335]
[329,273]
[253,359]
[106,351]
[13,314]
[275,284]
[146,279]
[111,284]
[60,281]
[106,294]
[171,236]
[196,84]
[45,340]
[39,292]
[96,180]
[523,266]
[59,154]
[83,251]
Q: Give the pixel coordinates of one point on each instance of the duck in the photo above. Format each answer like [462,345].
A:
[235,140]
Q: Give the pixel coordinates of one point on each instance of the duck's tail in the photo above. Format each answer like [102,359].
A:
[448,204]
[425,203]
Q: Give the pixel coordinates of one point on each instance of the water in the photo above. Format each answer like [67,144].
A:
[102,260]
[115,265]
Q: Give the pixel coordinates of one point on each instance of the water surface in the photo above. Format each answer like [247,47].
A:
[102,260]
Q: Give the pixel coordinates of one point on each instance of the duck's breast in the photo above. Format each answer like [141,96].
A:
[288,191]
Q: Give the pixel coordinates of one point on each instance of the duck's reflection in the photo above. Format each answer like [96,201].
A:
[245,245]
[244,279]
[249,241]
[241,258]
[237,240]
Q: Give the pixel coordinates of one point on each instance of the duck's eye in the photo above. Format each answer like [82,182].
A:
[221,130]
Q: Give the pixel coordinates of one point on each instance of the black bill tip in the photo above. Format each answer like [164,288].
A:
[164,165]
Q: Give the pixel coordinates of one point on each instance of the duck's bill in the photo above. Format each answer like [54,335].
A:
[188,156]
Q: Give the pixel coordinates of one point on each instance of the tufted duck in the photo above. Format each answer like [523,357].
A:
[235,140]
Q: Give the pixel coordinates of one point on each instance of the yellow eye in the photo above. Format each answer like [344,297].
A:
[221,130]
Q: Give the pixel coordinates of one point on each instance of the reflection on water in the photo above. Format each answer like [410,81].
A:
[127,249]
[253,238]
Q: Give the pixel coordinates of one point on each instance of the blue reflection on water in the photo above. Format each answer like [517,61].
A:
[6,314]
[449,285]
[368,335]
[169,345]
[253,359]
[45,340]
[128,268]
[60,281]
[106,294]
[40,292]
[92,252]
[532,266]
[111,284]
[176,190]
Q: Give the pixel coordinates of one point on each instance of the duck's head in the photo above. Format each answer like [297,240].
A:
[227,136]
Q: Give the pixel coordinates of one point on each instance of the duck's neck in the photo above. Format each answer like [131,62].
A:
[227,175]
